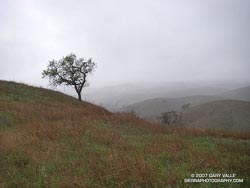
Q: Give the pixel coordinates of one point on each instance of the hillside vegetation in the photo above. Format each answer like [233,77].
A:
[48,139]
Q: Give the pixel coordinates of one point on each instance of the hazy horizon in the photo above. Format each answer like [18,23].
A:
[131,41]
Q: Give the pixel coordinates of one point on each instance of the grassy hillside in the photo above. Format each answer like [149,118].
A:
[227,114]
[48,139]
[153,108]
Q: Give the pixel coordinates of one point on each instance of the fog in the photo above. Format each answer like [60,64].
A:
[149,41]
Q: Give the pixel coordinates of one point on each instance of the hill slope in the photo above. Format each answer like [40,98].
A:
[228,114]
[238,94]
[153,108]
[48,139]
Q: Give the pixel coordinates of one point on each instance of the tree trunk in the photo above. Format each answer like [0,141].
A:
[79,96]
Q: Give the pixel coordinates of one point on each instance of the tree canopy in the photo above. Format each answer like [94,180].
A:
[70,71]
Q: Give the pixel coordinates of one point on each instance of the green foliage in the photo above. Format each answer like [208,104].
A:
[70,71]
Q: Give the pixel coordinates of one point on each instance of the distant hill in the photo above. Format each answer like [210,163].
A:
[115,97]
[242,93]
[152,108]
[229,110]
[227,114]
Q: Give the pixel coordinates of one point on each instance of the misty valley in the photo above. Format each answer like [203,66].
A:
[209,105]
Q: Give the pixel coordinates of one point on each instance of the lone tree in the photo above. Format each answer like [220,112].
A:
[70,71]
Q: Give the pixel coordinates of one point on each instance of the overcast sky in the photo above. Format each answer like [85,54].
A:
[130,40]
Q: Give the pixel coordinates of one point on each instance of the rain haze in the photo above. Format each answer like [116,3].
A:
[149,41]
